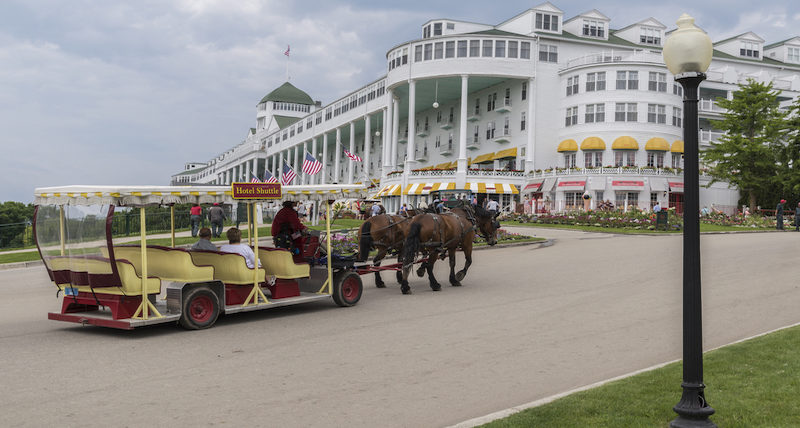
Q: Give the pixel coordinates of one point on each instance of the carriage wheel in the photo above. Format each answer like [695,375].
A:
[200,308]
[347,288]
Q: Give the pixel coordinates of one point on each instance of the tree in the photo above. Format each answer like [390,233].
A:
[748,154]
[789,156]
[14,218]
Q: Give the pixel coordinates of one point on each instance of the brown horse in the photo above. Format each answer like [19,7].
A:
[436,234]
[386,232]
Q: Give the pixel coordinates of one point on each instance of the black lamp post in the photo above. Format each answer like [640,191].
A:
[687,54]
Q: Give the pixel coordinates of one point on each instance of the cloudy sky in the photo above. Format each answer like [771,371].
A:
[125,92]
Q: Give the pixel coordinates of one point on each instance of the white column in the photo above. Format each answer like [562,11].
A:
[395,132]
[297,165]
[323,179]
[461,169]
[312,179]
[338,155]
[412,133]
[388,126]
[385,148]
[247,171]
[275,165]
[367,140]
[530,128]
[254,169]
[280,168]
[351,165]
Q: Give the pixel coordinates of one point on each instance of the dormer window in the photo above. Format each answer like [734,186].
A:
[793,55]
[749,49]
[546,21]
[650,36]
[437,29]
[426,31]
[593,28]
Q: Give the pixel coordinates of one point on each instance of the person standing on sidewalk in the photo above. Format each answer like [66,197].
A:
[779,214]
[797,218]
[195,215]
[216,216]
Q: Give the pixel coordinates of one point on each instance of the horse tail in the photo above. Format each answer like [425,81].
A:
[365,241]
[412,244]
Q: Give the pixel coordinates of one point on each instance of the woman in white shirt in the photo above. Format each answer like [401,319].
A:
[235,246]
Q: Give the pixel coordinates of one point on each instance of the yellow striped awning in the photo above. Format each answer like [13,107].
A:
[677,146]
[445,165]
[593,143]
[492,188]
[568,146]
[484,158]
[426,188]
[625,143]
[507,153]
[389,190]
[657,144]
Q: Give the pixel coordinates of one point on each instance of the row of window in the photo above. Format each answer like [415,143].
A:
[436,29]
[367,94]
[464,49]
[594,159]
[626,80]
[624,112]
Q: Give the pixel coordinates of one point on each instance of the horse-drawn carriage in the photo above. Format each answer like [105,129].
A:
[111,283]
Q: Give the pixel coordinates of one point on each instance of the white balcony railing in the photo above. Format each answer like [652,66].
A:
[711,106]
[613,56]
[710,136]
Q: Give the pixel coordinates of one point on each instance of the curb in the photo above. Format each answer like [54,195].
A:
[21,265]
[636,233]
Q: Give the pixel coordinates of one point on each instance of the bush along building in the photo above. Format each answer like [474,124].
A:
[539,108]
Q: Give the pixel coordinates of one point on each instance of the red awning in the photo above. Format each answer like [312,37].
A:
[533,187]
[627,183]
[571,185]
[676,186]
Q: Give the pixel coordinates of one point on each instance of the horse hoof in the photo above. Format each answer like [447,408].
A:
[406,290]
[455,283]
[421,272]
[436,287]
[380,285]
[460,276]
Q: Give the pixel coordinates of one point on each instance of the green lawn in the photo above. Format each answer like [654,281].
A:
[750,384]
[704,227]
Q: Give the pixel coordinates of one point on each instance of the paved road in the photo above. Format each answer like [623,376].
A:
[528,323]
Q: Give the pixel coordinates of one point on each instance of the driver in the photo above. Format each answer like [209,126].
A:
[287,228]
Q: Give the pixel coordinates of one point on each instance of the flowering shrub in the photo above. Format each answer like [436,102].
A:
[344,244]
[635,219]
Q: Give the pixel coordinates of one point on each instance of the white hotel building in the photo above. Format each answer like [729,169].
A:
[537,107]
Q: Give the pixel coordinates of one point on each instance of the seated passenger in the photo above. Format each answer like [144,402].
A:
[286,229]
[204,243]
[235,246]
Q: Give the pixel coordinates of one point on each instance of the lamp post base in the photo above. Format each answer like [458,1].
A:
[692,410]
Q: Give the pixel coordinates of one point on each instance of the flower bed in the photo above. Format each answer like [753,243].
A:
[636,219]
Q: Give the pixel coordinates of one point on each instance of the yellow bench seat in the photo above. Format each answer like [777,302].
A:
[279,262]
[93,266]
[229,268]
[169,264]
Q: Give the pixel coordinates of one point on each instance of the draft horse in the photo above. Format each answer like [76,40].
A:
[435,235]
[386,233]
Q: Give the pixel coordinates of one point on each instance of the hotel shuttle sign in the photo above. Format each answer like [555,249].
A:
[256,190]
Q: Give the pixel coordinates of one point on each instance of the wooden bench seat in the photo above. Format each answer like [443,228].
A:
[279,262]
[79,272]
[169,264]
[229,268]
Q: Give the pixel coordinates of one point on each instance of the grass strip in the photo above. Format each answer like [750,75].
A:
[749,384]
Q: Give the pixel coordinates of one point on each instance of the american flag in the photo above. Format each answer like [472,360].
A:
[269,178]
[255,179]
[288,48]
[311,166]
[352,155]
[288,175]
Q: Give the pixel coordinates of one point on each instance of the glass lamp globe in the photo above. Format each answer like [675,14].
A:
[435,104]
[688,49]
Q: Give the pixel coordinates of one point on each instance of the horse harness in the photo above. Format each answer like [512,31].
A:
[392,232]
[464,231]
